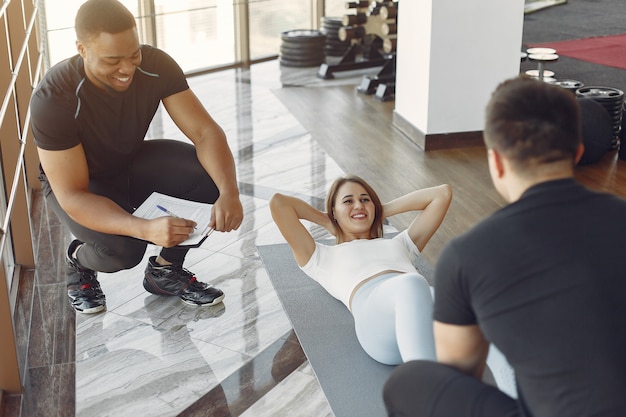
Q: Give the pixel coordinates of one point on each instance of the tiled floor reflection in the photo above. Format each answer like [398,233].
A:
[155,356]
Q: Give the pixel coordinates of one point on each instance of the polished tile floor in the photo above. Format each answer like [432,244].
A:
[155,356]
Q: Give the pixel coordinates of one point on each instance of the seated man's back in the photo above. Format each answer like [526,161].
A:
[548,287]
[543,279]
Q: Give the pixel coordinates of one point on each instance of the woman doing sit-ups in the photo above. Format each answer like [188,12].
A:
[373,276]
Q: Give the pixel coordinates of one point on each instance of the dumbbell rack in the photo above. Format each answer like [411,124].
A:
[383,84]
[370,30]
[541,56]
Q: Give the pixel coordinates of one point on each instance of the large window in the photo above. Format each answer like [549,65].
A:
[269,18]
[198,34]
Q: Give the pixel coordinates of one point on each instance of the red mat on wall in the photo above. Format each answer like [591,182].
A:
[603,50]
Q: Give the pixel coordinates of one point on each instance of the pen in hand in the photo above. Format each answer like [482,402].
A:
[166,211]
[169,213]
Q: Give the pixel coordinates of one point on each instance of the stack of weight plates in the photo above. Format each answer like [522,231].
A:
[334,46]
[612,100]
[302,48]
[569,85]
[622,141]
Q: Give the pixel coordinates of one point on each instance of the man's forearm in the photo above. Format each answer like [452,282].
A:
[463,347]
[101,214]
[218,161]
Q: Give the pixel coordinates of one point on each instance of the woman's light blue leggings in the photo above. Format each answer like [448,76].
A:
[393,318]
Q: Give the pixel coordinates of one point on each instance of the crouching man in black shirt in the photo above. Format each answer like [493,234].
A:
[90,115]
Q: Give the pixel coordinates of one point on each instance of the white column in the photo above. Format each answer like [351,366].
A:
[451,54]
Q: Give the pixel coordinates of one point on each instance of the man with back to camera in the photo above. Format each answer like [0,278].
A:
[90,114]
[543,279]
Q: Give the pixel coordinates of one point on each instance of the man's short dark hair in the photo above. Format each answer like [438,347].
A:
[97,16]
[532,122]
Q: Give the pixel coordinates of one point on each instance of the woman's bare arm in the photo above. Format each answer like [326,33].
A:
[433,202]
[287,213]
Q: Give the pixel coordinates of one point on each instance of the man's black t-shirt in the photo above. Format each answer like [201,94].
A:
[545,279]
[67,110]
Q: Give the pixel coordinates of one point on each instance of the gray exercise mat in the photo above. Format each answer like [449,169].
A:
[350,379]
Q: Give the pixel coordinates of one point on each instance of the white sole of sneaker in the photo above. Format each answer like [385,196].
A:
[92,310]
[215,302]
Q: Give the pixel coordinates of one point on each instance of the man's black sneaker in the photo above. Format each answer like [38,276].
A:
[85,293]
[175,280]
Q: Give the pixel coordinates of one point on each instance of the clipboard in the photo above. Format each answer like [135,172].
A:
[153,207]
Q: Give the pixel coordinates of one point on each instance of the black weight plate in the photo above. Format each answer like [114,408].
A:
[332,19]
[334,38]
[333,23]
[316,39]
[609,102]
[297,63]
[331,33]
[288,63]
[292,57]
[331,29]
[304,44]
[303,57]
[302,35]
[569,84]
[302,48]
[599,92]
[611,108]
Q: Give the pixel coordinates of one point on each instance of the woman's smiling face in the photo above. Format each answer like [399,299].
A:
[354,211]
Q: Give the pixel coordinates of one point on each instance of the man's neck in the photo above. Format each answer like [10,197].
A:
[518,185]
